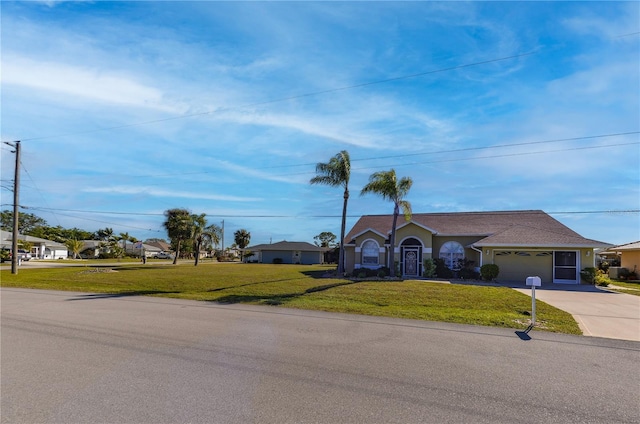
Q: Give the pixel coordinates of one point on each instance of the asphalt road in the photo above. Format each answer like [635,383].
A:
[84,358]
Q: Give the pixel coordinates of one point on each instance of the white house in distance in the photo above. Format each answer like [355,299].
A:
[42,248]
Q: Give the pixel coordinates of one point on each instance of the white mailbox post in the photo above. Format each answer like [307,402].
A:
[533,282]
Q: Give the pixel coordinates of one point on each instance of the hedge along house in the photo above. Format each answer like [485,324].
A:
[521,243]
[287,252]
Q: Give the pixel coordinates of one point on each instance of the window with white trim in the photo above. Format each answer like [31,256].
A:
[451,252]
[370,254]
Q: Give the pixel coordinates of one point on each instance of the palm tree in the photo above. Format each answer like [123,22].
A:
[199,225]
[213,235]
[124,237]
[336,173]
[242,238]
[178,224]
[386,184]
[75,246]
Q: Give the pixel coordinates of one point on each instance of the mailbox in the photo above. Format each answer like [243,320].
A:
[534,281]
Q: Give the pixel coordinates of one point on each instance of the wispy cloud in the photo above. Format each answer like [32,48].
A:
[98,85]
[156,192]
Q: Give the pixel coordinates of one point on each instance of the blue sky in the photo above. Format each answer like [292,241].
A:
[127,109]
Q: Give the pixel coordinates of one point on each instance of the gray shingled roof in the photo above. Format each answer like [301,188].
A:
[513,228]
[287,245]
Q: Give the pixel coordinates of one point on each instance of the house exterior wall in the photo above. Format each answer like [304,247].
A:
[311,258]
[291,256]
[630,259]
[354,255]
[518,263]
[465,241]
[269,255]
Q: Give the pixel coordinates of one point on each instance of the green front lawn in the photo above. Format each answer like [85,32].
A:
[629,287]
[299,286]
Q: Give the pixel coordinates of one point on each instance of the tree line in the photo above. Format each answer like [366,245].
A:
[188,233]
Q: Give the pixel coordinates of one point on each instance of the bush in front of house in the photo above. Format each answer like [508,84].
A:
[601,278]
[588,275]
[277,260]
[442,270]
[429,268]
[489,272]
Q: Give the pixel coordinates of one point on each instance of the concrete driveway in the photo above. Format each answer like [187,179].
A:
[599,312]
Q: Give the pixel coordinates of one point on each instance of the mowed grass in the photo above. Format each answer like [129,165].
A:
[626,287]
[303,287]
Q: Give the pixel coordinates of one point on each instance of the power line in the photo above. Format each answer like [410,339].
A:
[609,211]
[285,99]
[468,149]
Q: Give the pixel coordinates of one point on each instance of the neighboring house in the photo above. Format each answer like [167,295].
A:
[629,255]
[290,252]
[91,249]
[162,245]
[42,248]
[138,248]
[521,243]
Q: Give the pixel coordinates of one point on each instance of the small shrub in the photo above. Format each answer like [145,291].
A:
[277,260]
[362,274]
[589,275]
[489,272]
[429,268]
[604,265]
[442,270]
[382,274]
[601,278]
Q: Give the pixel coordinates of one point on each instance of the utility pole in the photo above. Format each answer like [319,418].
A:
[223,237]
[16,193]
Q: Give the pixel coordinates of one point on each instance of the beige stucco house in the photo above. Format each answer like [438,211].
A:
[521,243]
[629,255]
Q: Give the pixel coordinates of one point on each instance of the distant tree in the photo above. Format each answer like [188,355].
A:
[26,221]
[213,235]
[336,173]
[124,237]
[60,234]
[178,224]
[103,234]
[74,246]
[242,239]
[325,239]
[386,185]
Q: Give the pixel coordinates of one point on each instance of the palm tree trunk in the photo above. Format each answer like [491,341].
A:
[392,241]
[175,258]
[197,252]
[342,230]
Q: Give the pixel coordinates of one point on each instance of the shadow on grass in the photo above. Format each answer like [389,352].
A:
[94,296]
[252,284]
[276,299]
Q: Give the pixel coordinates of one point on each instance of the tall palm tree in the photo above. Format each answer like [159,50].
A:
[178,224]
[336,173]
[386,184]
[198,228]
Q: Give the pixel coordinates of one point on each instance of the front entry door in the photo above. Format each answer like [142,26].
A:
[411,262]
